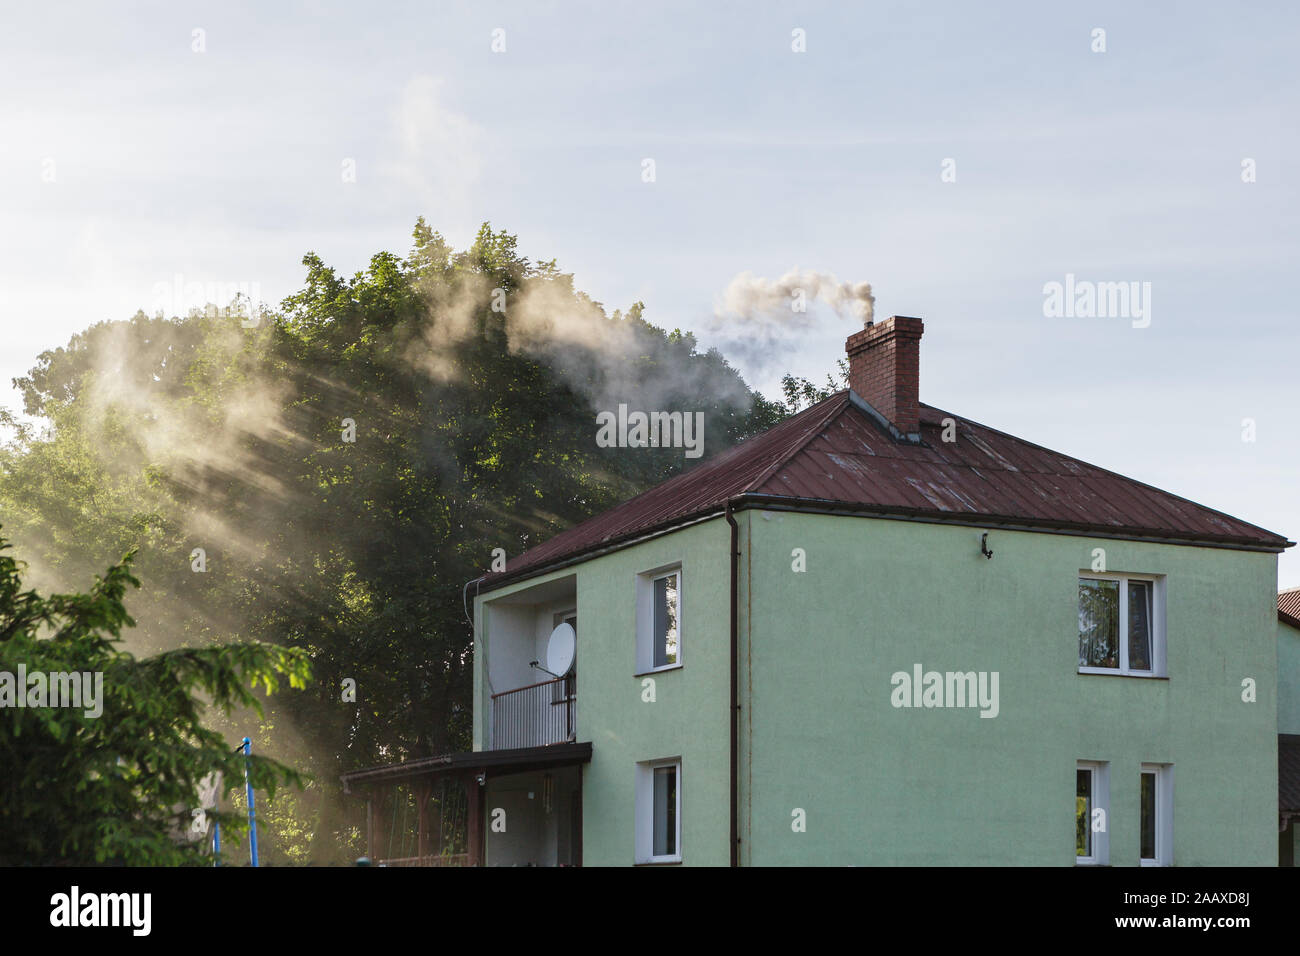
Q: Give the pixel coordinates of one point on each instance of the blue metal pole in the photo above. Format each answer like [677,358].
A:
[216,844]
[252,812]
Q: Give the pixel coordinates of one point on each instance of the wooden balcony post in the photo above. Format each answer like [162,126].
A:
[422,791]
[474,823]
[370,824]
[378,848]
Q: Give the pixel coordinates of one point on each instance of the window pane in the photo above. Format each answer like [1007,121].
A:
[665,620]
[1098,623]
[1148,813]
[1083,813]
[1139,625]
[665,820]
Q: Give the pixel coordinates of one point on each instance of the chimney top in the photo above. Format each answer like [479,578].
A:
[884,372]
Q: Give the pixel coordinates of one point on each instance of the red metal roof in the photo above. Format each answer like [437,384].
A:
[1288,606]
[836,455]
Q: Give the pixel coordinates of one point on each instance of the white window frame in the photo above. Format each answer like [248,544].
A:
[1157,582]
[1164,773]
[1100,772]
[645,618]
[645,808]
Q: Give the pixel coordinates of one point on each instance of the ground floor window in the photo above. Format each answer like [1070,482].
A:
[659,811]
[1091,813]
[1156,810]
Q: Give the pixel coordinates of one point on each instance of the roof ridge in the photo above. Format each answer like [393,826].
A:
[718,464]
[715,462]
[803,441]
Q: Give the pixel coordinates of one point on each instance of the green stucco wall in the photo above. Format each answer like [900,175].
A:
[881,785]
[1288,679]
[689,715]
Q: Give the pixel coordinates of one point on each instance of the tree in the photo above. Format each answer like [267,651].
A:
[346,466]
[118,786]
[801,392]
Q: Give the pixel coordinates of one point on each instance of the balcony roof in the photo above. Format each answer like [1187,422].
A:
[494,763]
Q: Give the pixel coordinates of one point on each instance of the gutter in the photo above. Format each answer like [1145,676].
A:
[1079,529]
[734,708]
[501,579]
[464,599]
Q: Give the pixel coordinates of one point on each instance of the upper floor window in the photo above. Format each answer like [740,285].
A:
[659,619]
[1121,625]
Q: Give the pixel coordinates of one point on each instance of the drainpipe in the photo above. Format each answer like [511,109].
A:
[734,709]
[464,599]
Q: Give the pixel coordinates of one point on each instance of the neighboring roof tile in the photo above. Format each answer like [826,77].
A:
[1288,606]
[836,453]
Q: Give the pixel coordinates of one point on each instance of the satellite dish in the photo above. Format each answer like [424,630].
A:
[560,649]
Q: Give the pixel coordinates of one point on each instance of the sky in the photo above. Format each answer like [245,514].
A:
[958,158]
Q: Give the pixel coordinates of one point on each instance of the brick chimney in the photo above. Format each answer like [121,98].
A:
[885,370]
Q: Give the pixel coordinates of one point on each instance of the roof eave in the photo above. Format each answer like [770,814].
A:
[505,578]
[1020,523]
[829,506]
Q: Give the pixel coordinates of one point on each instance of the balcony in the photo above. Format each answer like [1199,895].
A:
[536,715]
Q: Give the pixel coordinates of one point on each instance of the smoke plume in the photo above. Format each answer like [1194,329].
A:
[756,317]
[601,357]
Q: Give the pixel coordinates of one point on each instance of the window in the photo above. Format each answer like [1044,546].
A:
[659,811]
[659,619]
[665,624]
[665,811]
[1091,813]
[1121,625]
[1156,810]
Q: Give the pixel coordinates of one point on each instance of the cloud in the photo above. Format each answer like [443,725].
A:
[437,150]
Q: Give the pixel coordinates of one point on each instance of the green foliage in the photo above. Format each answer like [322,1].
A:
[118,787]
[800,392]
[166,435]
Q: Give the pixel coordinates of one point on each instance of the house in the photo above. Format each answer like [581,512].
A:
[878,633]
[1288,726]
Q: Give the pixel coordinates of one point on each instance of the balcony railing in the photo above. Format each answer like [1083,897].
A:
[444,859]
[536,715]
